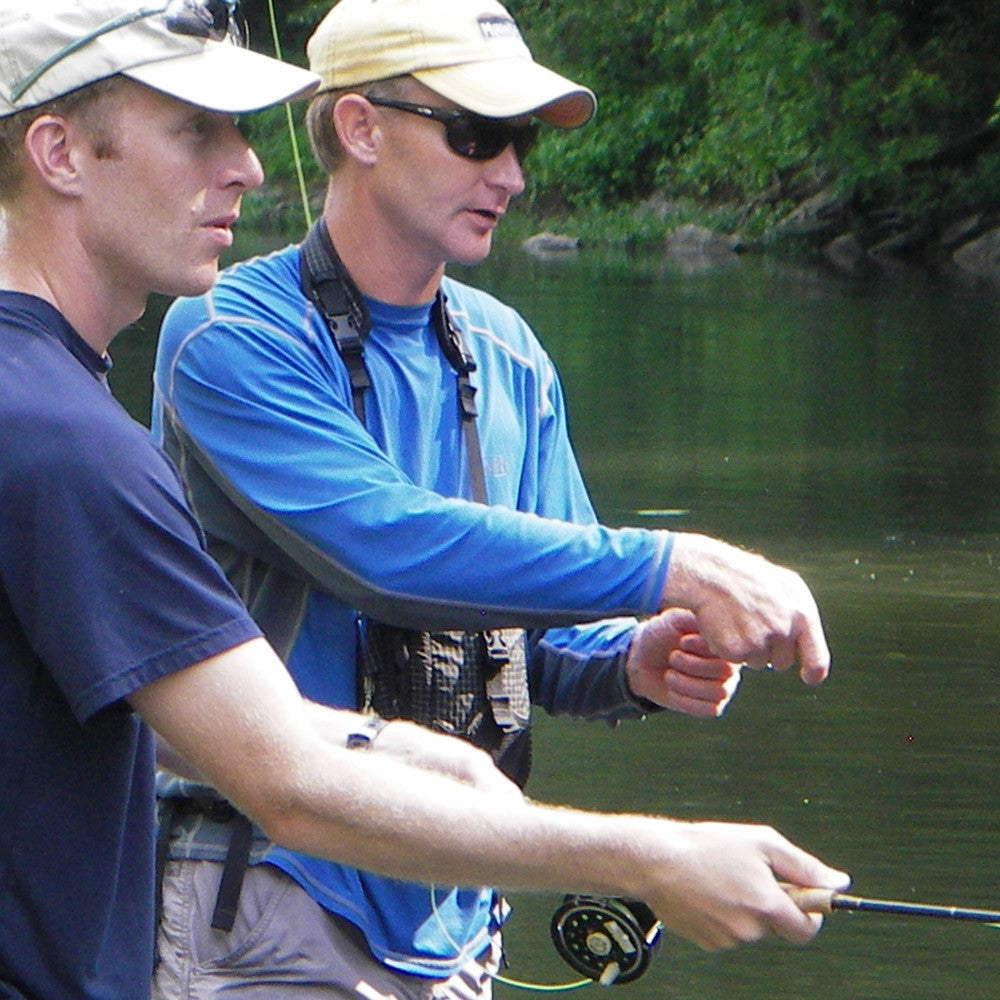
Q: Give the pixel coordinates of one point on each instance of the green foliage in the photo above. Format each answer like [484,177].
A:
[726,100]
[747,103]
[278,204]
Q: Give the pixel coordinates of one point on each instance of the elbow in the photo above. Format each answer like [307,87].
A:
[280,815]
[283,828]
[315,810]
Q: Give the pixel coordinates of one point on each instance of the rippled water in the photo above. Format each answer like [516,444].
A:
[850,427]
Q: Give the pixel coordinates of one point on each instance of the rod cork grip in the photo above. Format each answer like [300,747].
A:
[811,900]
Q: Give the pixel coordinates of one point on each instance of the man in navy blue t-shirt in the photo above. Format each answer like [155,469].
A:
[128,185]
[121,173]
[103,585]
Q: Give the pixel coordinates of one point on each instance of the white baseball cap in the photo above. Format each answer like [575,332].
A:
[468,51]
[187,49]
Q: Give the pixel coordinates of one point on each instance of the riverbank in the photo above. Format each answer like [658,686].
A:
[824,224]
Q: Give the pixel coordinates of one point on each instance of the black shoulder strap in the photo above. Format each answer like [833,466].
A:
[453,349]
[326,283]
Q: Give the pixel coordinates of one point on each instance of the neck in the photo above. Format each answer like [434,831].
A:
[54,268]
[379,265]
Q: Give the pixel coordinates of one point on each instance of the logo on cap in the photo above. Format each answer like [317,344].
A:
[495,26]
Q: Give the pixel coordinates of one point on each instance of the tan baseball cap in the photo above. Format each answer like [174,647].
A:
[468,51]
[184,48]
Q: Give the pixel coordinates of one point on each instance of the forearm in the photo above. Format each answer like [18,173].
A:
[579,672]
[380,815]
[411,558]
[241,722]
[402,553]
[370,810]
[718,885]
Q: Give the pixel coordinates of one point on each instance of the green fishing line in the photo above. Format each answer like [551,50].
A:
[303,194]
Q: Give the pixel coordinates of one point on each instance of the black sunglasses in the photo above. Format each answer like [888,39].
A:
[470,135]
[216,20]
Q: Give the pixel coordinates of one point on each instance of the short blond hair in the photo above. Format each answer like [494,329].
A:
[87,104]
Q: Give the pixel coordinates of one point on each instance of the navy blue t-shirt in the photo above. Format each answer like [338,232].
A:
[104,587]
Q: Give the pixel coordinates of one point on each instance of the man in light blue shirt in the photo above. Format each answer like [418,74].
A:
[380,456]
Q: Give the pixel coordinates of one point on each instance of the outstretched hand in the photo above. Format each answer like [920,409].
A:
[670,664]
[749,610]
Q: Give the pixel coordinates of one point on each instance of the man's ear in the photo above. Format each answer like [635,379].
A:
[354,120]
[51,150]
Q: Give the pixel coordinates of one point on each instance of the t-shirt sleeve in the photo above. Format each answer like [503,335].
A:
[104,565]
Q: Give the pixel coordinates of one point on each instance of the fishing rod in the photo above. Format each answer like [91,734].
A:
[826,901]
[612,941]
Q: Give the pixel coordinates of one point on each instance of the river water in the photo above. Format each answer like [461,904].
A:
[848,426]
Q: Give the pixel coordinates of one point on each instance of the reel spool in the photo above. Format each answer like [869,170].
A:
[608,940]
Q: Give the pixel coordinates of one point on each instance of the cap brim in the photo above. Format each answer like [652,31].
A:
[226,78]
[512,88]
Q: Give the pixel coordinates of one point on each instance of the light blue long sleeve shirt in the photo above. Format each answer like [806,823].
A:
[254,376]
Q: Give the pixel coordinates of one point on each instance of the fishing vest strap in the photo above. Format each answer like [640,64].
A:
[472,684]
[233,871]
[453,349]
[325,282]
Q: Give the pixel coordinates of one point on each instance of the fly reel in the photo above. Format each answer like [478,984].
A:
[608,940]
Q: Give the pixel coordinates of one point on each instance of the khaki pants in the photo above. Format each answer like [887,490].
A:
[283,946]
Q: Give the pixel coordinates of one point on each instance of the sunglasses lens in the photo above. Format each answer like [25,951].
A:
[483,138]
[472,137]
